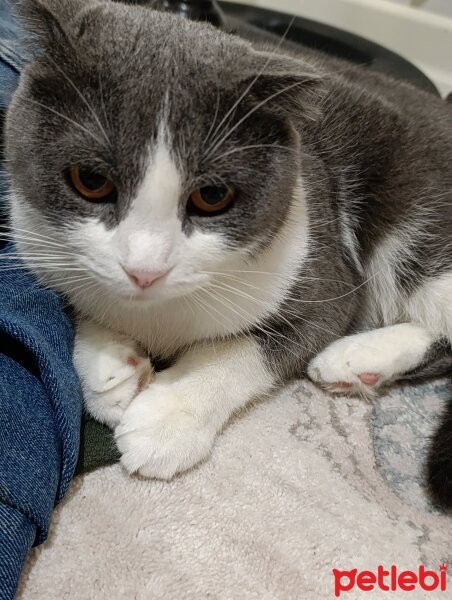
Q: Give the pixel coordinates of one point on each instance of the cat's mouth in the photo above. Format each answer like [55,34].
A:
[162,288]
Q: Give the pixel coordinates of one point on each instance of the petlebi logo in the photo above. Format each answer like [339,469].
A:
[390,580]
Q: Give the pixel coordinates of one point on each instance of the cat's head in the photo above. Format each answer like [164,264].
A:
[147,152]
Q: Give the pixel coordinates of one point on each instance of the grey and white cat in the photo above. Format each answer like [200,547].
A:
[233,210]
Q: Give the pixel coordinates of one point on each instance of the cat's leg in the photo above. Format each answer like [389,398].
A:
[112,369]
[172,424]
[439,466]
[363,362]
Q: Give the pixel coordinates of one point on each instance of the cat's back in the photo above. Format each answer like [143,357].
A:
[385,147]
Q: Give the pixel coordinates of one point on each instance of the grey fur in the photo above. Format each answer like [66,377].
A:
[168,55]
[374,149]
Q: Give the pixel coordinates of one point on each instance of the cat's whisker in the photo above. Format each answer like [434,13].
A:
[233,277]
[352,291]
[282,276]
[355,288]
[229,322]
[86,281]
[32,234]
[186,301]
[28,263]
[218,130]
[102,101]
[23,259]
[251,323]
[81,96]
[42,266]
[87,291]
[63,285]
[26,254]
[39,268]
[71,280]
[245,296]
[36,255]
[66,118]
[30,245]
[22,239]
[212,125]
[258,106]
[252,147]
[207,308]
[89,285]
[58,249]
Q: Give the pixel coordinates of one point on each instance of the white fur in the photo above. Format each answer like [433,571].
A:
[172,424]
[109,381]
[406,325]
[349,240]
[385,301]
[386,352]
[387,304]
[182,308]
[410,323]
[210,291]
[431,304]
[150,238]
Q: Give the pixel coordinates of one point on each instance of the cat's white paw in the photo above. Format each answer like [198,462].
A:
[347,367]
[113,371]
[339,376]
[159,436]
[364,362]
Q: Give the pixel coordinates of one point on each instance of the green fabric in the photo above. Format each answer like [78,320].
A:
[97,446]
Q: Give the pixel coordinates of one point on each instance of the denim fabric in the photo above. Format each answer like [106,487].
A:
[40,396]
[13,56]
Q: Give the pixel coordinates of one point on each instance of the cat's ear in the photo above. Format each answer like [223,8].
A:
[54,21]
[287,84]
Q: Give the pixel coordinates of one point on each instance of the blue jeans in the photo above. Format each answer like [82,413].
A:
[40,396]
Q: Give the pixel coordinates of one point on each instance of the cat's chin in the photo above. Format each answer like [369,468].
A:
[138,300]
[154,298]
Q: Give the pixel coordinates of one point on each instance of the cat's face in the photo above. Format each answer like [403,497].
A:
[150,152]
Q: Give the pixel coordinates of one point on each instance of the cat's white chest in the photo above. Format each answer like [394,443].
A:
[166,327]
[164,330]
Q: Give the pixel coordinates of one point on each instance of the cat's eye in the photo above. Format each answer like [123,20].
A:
[91,185]
[211,199]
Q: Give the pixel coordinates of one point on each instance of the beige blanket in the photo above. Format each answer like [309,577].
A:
[291,492]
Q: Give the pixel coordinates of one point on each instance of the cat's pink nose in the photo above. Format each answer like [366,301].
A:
[144,279]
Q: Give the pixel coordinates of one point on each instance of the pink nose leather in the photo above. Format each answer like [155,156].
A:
[144,279]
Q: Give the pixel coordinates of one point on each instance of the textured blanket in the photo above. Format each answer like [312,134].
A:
[298,486]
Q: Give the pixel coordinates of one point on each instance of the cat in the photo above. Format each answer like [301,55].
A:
[247,214]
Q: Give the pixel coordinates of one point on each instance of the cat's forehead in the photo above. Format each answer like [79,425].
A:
[131,41]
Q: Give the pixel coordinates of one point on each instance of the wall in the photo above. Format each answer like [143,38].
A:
[442,7]
[419,35]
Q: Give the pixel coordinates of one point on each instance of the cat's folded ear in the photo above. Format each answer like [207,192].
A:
[286,84]
[54,21]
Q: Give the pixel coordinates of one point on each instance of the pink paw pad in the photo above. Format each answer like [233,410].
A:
[132,361]
[369,378]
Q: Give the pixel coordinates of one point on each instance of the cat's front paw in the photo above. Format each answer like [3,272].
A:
[365,362]
[112,374]
[348,366]
[159,436]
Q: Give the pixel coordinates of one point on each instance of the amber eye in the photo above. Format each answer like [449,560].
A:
[91,185]
[211,199]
